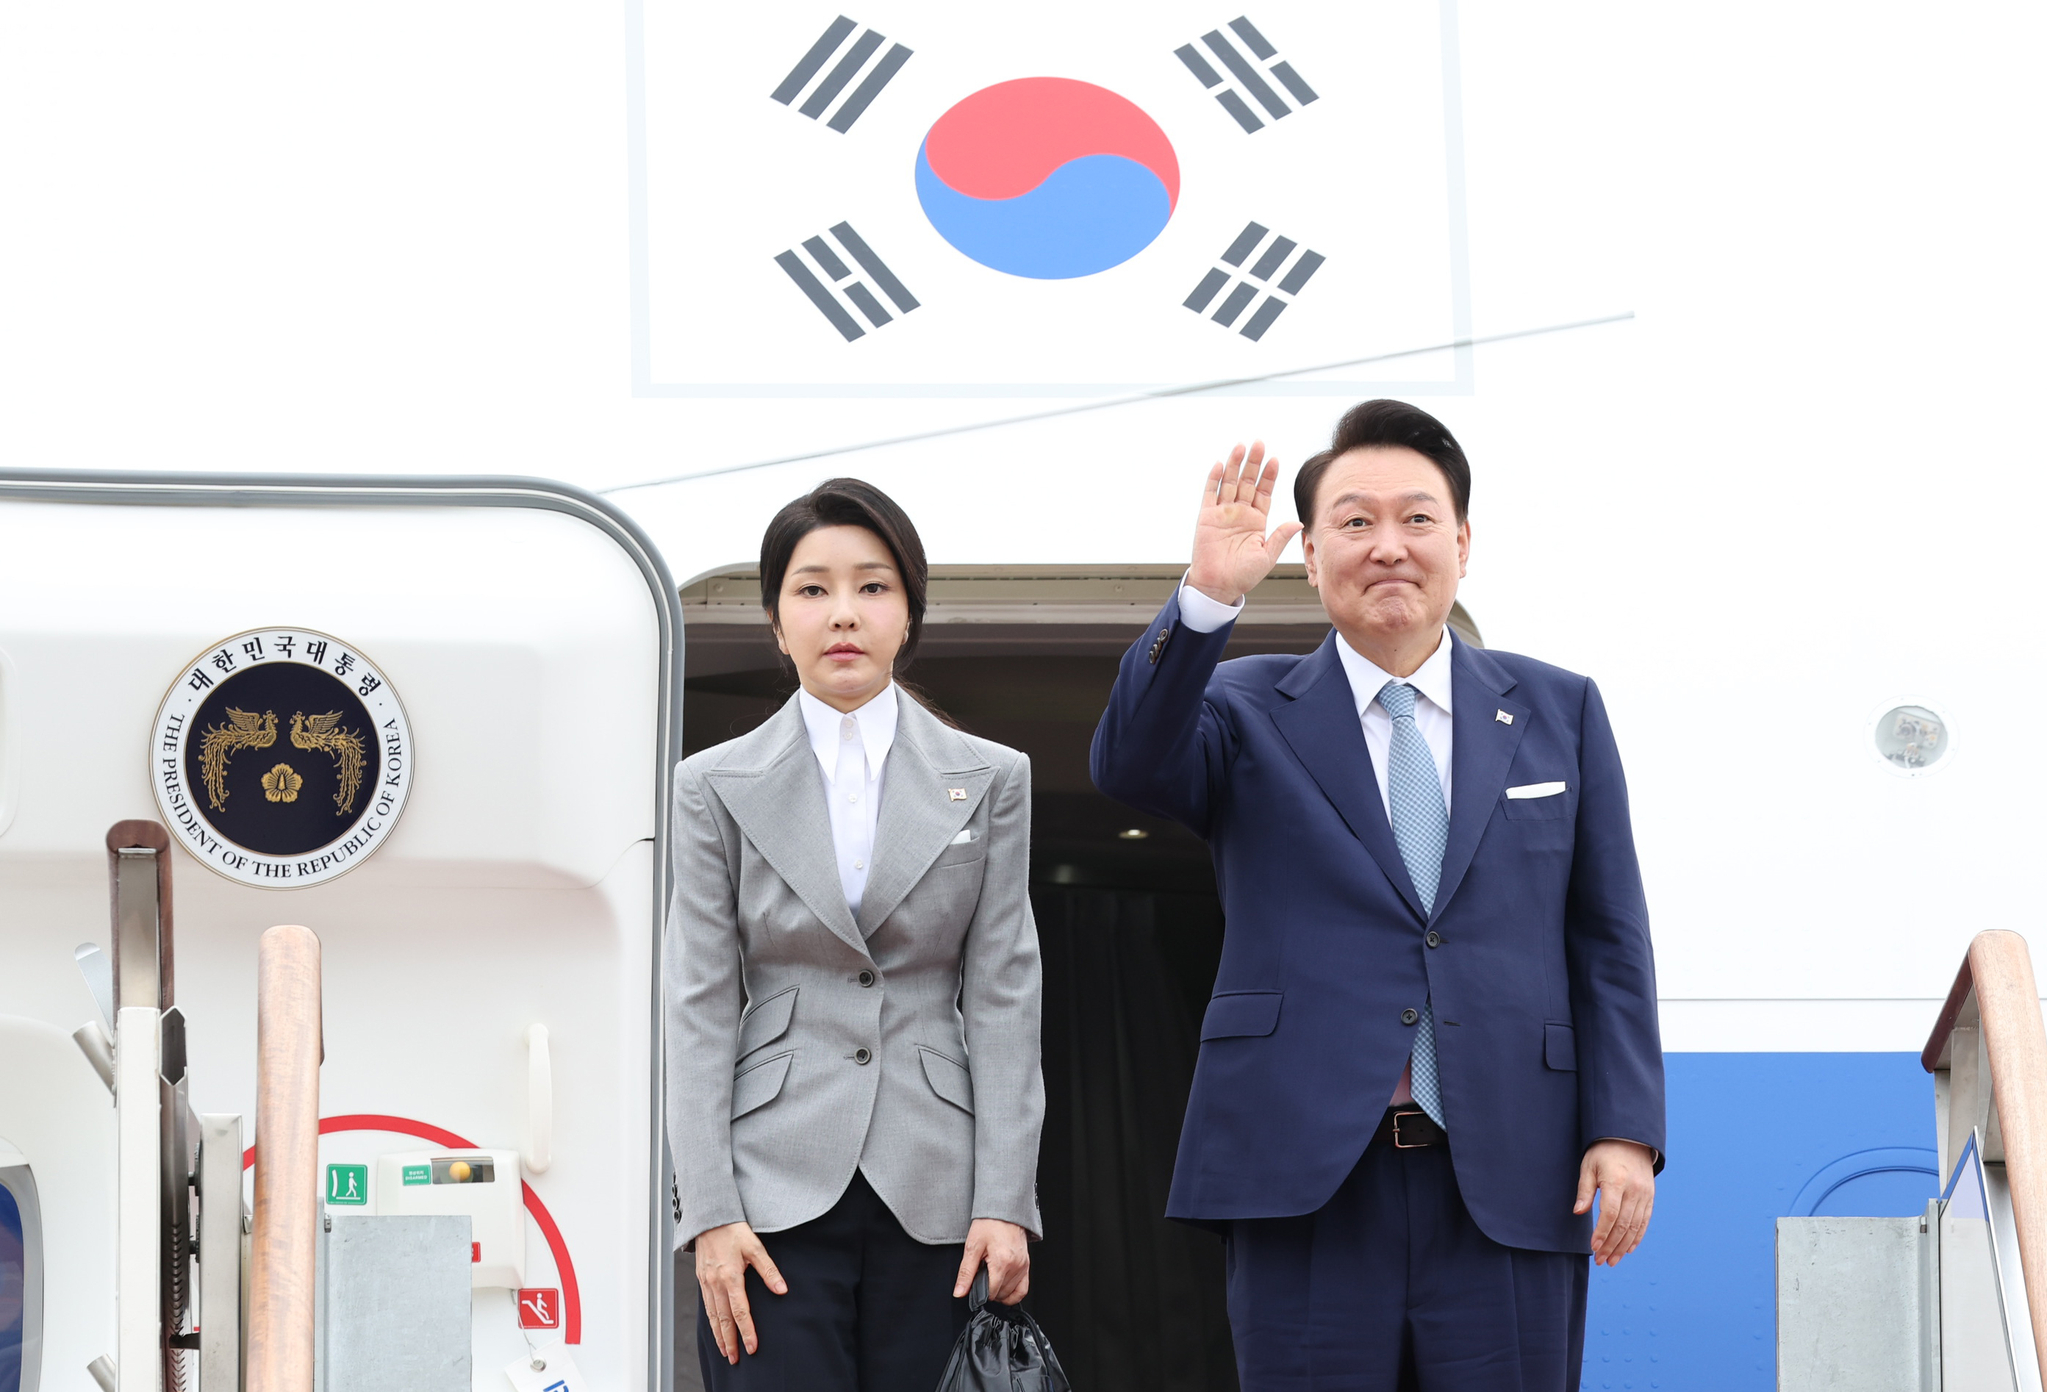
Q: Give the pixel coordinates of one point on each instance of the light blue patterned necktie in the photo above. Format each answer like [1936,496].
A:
[1421,828]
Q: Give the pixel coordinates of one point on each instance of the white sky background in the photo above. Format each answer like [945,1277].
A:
[396,238]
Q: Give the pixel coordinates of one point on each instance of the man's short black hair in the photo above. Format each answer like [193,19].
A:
[1387,422]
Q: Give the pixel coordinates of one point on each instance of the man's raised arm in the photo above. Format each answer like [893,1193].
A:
[1159,742]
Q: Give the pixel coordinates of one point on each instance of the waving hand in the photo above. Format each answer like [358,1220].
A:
[1232,552]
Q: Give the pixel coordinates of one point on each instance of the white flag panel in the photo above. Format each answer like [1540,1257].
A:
[782,147]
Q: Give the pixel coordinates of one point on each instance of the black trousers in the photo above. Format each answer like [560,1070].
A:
[869,1307]
[1390,1286]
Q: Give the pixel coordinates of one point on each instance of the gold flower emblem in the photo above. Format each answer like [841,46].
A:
[282,785]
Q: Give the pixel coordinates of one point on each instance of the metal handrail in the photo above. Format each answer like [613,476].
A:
[1988,1054]
[284,1232]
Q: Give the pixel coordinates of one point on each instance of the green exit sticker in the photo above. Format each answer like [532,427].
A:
[419,1174]
[348,1184]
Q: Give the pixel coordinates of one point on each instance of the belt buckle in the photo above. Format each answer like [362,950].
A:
[1399,1144]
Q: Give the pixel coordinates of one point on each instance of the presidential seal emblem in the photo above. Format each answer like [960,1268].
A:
[281,757]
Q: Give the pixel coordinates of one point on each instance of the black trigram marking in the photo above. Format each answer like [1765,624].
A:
[1276,253]
[838,280]
[1247,76]
[851,62]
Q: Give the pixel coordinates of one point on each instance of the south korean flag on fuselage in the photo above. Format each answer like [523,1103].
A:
[1057,198]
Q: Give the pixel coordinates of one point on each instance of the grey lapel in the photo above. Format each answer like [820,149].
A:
[780,807]
[927,766]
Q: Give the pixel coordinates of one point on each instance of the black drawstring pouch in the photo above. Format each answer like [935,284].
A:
[1001,1350]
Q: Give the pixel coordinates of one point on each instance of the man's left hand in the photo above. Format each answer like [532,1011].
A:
[1623,1173]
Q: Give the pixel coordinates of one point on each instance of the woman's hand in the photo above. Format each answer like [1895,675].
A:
[723,1254]
[1007,1250]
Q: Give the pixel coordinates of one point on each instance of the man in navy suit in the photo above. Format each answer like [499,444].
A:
[1433,1037]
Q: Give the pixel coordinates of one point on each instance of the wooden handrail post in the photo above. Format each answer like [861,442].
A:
[284,1241]
[2016,1042]
[1991,1025]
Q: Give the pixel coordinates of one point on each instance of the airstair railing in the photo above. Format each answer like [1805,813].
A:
[142,1061]
[284,1243]
[1988,1055]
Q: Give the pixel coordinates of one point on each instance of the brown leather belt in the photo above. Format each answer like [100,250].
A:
[1409,1128]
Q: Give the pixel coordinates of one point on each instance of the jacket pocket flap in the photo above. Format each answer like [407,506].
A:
[760,1084]
[948,1079]
[1560,1046]
[767,1021]
[1550,807]
[1240,1013]
[961,853]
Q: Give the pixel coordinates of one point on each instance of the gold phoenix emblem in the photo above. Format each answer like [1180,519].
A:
[282,785]
[345,746]
[244,730]
[247,730]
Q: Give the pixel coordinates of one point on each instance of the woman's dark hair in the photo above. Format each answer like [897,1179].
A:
[1387,422]
[847,502]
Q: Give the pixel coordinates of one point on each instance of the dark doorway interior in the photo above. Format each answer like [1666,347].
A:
[1131,932]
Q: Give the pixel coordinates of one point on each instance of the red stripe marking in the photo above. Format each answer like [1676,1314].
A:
[572,1294]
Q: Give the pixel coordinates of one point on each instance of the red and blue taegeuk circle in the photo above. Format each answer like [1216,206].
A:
[1047,177]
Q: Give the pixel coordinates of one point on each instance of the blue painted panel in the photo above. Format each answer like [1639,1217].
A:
[13,1291]
[1880,1182]
[1753,1137]
[1892,1194]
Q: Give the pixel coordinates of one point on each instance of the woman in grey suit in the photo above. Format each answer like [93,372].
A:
[854,1091]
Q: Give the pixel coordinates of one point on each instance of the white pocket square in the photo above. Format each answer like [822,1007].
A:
[1532,790]
[968,834]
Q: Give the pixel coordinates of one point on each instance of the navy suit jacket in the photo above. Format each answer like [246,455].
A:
[1541,975]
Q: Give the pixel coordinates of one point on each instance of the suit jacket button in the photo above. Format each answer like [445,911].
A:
[862,1056]
[1158,645]
[1434,939]
[867,977]
[1407,1017]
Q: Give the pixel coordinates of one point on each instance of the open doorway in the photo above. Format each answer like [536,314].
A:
[1128,920]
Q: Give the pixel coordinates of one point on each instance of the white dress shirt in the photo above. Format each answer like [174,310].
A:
[1431,682]
[852,750]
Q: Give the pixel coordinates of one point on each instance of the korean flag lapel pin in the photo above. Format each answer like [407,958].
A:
[955,794]
[1503,717]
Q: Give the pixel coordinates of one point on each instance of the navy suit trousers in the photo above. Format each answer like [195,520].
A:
[869,1308]
[1391,1286]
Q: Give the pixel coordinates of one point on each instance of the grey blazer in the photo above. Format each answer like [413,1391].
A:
[802,1044]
